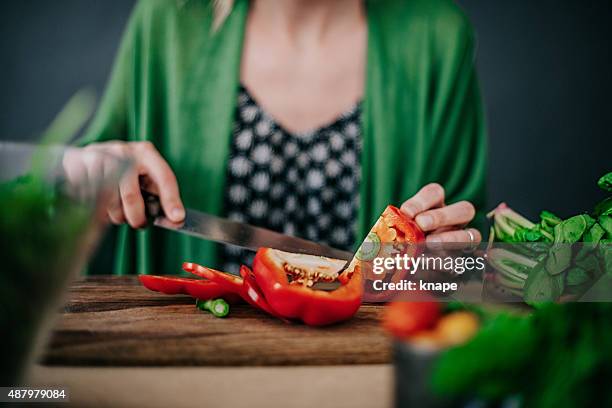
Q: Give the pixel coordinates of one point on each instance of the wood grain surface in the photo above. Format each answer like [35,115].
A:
[113,321]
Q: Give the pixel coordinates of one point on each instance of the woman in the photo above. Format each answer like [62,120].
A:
[247,105]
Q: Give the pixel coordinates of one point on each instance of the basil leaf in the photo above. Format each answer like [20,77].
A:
[606,223]
[577,276]
[605,253]
[559,258]
[603,207]
[572,229]
[594,234]
[549,218]
[541,287]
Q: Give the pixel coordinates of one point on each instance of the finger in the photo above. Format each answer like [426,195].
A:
[444,229]
[75,172]
[454,214]
[113,203]
[116,216]
[456,236]
[430,196]
[114,210]
[131,201]
[94,165]
[72,165]
[162,175]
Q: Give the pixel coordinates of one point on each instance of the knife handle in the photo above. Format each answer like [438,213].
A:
[153,208]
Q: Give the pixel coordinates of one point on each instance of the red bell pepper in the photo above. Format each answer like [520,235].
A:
[296,300]
[254,294]
[393,233]
[245,288]
[281,283]
[200,289]
[228,281]
[408,231]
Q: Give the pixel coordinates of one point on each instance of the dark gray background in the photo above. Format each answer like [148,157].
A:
[545,69]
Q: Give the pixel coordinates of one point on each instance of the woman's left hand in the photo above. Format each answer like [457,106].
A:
[441,222]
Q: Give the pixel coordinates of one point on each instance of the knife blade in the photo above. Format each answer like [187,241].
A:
[212,228]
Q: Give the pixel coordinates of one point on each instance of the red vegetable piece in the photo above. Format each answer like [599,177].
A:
[298,301]
[253,294]
[230,282]
[405,319]
[246,290]
[409,230]
[200,289]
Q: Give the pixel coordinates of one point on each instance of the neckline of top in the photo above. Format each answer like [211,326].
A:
[352,110]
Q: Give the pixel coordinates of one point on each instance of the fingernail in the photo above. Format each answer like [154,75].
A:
[434,243]
[434,239]
[178,214]
[424,221]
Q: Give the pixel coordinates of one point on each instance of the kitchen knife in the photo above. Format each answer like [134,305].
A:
[217,229]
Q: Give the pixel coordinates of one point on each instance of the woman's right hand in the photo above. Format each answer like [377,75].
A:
[149,171]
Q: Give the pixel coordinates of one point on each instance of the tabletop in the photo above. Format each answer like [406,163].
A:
[114,321]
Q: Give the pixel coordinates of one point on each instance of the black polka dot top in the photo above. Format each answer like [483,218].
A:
[302,184]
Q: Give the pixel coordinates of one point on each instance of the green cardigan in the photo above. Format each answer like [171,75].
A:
[175,83]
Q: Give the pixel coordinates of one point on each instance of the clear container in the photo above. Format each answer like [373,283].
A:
[53,203]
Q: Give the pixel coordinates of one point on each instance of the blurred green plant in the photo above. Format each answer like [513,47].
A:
[545,266]
[559,355]
[41,228]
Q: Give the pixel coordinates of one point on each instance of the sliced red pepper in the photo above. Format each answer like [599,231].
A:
[409,231]
[298,301]
[196,288]
[253,294]
[396,233]
[280,283]
[230,282]
[245,288]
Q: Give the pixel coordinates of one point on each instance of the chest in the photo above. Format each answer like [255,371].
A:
[300,184]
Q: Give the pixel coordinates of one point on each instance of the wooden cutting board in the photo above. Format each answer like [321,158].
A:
[114,321]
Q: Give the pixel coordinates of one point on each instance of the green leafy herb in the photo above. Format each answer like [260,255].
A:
[559,259]
[594,234]
[605,206]
[572,229]
[540,286]
[605,221]
[549,218]
[41,230]
[483,366]
[556,236]
[577,276]
[559,356]
[605,182]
